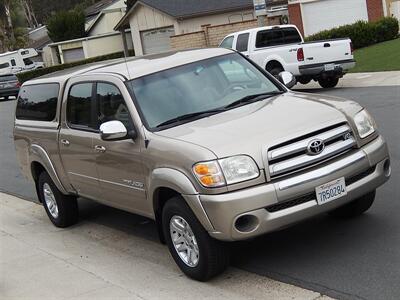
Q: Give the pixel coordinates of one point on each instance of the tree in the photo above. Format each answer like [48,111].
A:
[66,25]
[6,15]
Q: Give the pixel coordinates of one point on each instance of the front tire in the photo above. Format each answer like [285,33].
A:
[328,82]
[61,209]
[197,254]
[355,208]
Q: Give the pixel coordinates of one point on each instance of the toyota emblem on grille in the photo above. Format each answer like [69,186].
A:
[315,147]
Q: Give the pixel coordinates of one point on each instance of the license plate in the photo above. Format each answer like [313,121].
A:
[331,191]
[329,67]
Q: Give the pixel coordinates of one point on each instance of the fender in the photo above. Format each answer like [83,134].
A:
[179,182]
[38,154]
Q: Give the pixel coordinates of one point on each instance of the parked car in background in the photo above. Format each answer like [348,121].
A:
[19,61]
[204,142]
[282,48]
[9,86]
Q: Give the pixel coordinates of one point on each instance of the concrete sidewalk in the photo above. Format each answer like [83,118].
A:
[361,80]
[94,261]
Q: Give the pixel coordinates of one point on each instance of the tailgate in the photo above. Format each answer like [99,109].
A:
[327,51]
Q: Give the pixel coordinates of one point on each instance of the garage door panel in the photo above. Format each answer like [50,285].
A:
[327,14]
[72,55]
[157,40]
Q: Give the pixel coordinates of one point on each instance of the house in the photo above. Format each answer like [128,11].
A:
[153,22]
[312,16]
[101,38]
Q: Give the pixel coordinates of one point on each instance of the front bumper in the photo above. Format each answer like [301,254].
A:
[316,69]
[364,170]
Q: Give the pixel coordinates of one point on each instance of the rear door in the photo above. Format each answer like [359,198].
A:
[78,128]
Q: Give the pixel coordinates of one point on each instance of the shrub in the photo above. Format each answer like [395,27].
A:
[25,76]
[362,33]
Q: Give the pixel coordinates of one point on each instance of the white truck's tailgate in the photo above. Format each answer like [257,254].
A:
[327,51]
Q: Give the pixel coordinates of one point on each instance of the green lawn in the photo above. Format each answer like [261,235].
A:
[380,57]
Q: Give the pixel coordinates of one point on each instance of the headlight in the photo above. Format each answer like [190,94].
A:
[365,123]
[226,171]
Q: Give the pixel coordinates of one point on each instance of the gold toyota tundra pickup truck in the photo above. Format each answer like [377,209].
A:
[204,142]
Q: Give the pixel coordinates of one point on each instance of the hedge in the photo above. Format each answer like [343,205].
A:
[362,33]
[25,76]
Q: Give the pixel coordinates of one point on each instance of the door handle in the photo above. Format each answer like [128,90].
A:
[65,142]
[100,149]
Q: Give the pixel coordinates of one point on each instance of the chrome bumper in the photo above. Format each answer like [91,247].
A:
[223,210]
[340,68]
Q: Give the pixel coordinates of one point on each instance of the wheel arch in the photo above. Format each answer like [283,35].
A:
[273,63]
[166,183]
[39,162]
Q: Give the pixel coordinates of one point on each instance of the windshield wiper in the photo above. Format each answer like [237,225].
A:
[252,98]
[191,116]
[247,99]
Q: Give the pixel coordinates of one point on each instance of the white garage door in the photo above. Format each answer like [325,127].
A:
[157,40]
[73,55]
[395,9]
[327,14]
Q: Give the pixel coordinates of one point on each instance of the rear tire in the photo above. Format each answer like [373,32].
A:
[304,80]
[61,209]
[355,208]
[276,71]
[328,82]
[210,256]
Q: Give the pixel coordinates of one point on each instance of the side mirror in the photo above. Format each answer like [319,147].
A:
[113,131]
[287,79]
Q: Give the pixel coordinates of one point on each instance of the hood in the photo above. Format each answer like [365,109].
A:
[252,129]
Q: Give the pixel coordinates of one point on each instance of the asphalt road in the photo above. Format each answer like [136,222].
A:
[345,259]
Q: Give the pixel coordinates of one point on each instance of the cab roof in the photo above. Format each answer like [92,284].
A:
[134,67]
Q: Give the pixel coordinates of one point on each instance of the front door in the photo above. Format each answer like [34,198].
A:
[119,163]
[76,140]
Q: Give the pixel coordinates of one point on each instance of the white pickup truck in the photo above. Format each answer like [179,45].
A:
[282,48]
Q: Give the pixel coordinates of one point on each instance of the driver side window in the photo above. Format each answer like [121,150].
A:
[111,106]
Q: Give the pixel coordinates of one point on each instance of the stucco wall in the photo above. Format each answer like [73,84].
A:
[105,45]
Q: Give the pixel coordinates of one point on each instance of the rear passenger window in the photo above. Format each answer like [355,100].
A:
[242,42]
[38,102]
[291,35]
[79,106]
[111,106]
[268,38]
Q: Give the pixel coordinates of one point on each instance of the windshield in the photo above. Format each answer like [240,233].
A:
[201,86]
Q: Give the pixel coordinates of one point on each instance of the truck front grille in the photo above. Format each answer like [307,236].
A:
[296,155]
